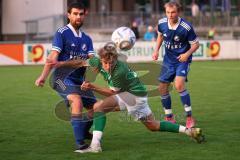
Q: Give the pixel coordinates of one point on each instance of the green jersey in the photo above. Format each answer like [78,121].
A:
[121,78]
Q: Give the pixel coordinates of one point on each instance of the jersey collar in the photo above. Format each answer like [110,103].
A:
[176,25]
[74,32]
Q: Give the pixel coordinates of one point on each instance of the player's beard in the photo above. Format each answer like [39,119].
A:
[77,26]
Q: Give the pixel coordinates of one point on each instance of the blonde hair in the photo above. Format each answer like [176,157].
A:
[173,4]
[108,52]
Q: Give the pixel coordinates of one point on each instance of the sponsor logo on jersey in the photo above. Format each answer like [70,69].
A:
[77,55]
[176,38]
[175,45]
[84,47]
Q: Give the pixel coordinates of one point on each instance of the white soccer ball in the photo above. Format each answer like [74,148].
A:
[124,38]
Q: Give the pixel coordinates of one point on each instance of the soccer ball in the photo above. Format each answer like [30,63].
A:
[124,38]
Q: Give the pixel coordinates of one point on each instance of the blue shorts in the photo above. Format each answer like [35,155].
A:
[170,71]
[64,86]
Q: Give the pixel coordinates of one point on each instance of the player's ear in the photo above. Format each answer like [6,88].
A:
[68,15]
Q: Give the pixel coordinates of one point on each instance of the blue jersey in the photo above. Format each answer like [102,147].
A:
[71,45]
[176,40]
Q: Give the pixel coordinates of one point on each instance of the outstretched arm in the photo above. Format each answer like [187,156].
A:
[74,63]
[103,91]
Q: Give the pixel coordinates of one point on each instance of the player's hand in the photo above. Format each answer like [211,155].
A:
[86,86]
[40,82]
[155,56]
[183,57]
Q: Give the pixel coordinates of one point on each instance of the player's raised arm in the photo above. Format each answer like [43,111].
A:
[51,61]
[75,63]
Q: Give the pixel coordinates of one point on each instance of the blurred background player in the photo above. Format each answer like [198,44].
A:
[150,34]
[180,41]
[71,43]
[211,33]
[125,92]
[135,29]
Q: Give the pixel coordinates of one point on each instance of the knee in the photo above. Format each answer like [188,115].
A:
[163,89]
[76,106]
[179,87]
[74,100]
[90,113]
[98,106]
[153,127]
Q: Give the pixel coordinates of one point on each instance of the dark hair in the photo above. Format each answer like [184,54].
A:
[172,4]
[77,5]
[108,52]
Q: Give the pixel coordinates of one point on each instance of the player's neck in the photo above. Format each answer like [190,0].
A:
[173,22]
[76,29]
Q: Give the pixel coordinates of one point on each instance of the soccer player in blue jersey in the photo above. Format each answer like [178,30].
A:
[180,41]
[71,43]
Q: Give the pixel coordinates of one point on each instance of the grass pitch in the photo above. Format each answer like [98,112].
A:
[29,128]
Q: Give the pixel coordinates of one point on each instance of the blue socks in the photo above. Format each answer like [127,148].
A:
[185,98]
[167,105]
[79,129]
[186,101]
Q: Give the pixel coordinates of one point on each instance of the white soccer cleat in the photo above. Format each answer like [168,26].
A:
[196,134]
[92,149]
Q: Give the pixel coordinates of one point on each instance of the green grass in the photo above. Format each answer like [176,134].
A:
[30,130]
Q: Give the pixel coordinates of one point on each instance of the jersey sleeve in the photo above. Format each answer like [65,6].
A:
[159,29]
[94,62]
[90,47]
[161,23]
[192,37]
[57,44]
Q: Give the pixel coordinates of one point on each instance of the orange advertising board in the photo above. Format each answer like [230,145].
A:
[12,52]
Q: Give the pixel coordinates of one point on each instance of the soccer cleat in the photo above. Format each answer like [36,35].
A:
[196,134]
[81,146]
[92,149]
[190,122]
[88,136]
[170,119]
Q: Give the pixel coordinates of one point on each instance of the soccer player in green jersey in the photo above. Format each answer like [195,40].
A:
[125,92]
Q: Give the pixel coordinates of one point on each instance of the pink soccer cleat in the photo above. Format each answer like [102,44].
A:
[190,122]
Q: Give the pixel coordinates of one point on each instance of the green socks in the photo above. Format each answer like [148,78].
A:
[166,126]
[99,121]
